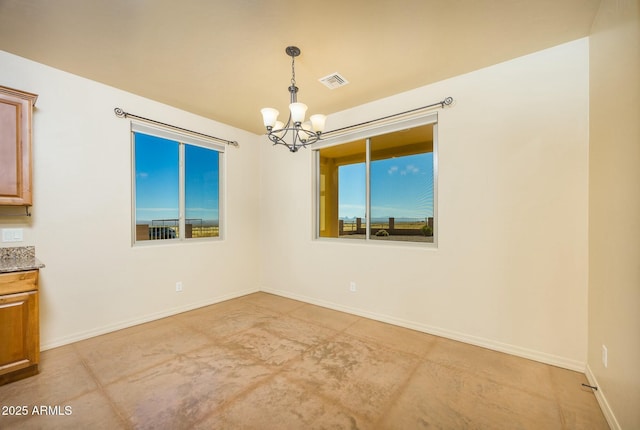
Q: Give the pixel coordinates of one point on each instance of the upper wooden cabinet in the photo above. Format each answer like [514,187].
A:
[16,109]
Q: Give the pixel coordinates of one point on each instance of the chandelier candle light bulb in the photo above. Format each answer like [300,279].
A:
[297,132]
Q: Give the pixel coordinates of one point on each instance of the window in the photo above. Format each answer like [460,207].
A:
[379,188]
[176,186]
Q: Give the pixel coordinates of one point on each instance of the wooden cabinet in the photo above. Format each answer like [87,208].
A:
[16,109]
[19,325]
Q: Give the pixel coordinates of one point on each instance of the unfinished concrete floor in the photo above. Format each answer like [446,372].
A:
[267,362]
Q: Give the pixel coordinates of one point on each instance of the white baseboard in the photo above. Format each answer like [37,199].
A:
[542,357]
[437,331]
[75,337]
[602,401]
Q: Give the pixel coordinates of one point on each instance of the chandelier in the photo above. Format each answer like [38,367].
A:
[296,133]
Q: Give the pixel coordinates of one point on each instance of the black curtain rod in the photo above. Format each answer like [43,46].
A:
[122,114]
[442,103]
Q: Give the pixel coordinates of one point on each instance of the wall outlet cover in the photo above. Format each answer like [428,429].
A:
[12,235]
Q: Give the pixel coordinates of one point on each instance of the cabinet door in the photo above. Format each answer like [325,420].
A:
[19,331]
[15,147]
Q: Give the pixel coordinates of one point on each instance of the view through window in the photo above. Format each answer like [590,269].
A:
[379,188]
[177,188]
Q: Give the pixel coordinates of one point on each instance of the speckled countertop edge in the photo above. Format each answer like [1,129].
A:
[18,259]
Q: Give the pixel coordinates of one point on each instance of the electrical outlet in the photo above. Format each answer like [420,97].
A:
[605,357]
[12,235]
[352,287]
[178,286]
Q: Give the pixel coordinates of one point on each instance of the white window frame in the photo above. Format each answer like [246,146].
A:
[366,133]
[183,139]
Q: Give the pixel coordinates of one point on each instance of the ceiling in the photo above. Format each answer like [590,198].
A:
[226,60]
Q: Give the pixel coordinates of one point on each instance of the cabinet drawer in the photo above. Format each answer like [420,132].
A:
[18,282]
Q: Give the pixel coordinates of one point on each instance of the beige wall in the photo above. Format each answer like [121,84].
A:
[94,280]
[614,210]
[510,272]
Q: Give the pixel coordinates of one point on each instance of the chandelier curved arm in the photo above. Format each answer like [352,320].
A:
[300,137]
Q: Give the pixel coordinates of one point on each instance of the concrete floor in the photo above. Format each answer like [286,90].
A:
[267,362]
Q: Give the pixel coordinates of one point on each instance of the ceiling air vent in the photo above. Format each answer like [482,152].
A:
[334,80]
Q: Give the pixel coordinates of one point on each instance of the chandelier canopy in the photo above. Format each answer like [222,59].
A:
[296,133]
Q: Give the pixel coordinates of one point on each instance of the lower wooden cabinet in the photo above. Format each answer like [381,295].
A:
[19,325]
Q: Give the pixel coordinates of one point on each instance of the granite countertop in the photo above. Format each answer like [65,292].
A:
[19,259]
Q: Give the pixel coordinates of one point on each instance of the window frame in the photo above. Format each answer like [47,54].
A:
[183,139]
[367,133]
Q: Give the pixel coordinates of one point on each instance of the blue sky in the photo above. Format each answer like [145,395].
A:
[401,187]
[157,178]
